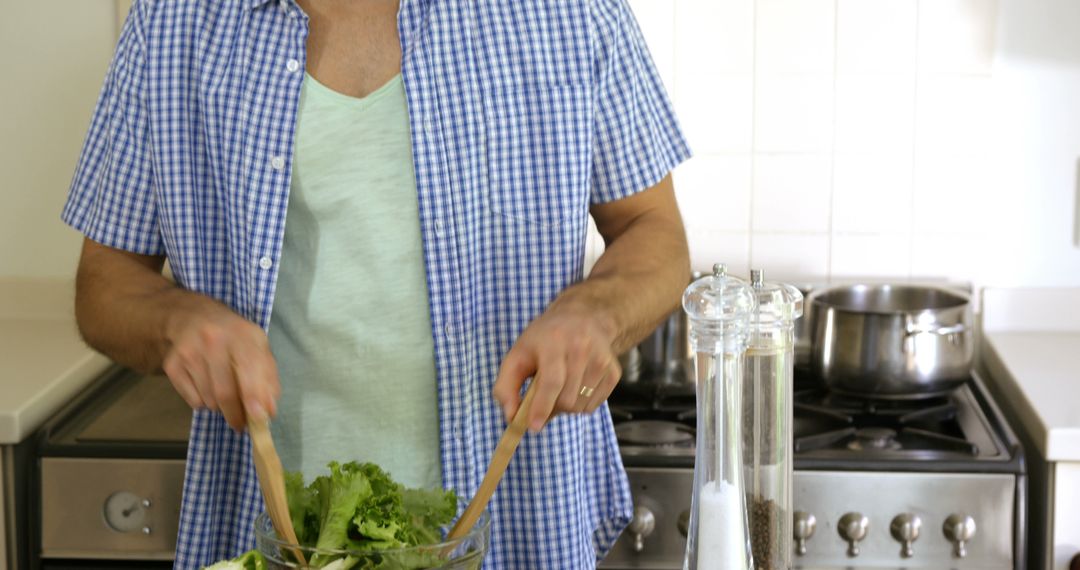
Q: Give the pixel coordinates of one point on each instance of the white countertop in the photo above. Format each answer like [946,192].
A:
[43,362]
[1031,350]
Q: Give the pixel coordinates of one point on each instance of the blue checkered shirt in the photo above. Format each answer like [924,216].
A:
[522,114]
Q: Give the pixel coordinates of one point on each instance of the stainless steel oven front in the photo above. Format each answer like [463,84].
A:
[107,476]
[932,502]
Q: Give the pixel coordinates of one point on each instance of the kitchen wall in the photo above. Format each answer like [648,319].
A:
[882,138]
[832,138]
[56,54]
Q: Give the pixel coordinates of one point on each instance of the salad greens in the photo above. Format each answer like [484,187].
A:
[357,507]
[251,560]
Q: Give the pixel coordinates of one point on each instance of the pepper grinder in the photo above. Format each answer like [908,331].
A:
[767,417]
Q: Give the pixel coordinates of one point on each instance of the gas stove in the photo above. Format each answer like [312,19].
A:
[879,484]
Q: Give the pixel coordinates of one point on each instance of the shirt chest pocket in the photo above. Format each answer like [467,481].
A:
[539,141]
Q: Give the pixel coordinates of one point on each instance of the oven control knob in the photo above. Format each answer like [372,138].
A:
[905,529]
[959,529]
[852,528]
[641,526]
[683,523]
[805,523]
[124,511]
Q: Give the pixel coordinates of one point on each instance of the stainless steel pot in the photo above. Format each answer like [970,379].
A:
[667,355]
[891,341]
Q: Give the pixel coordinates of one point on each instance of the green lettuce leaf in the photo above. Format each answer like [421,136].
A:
[358,507]
[250,560]
[347,488]
[302,509]
[428,511]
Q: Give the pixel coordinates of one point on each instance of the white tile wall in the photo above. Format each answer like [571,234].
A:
[791,192]
[708,246]
[723,107]
[854,138]
[956,256]
[872,192]
[793,112]
[715,192]
[871,255]
[956,36]
[795,36]
[875,113]
[955,194]
[719,31]
[791,256]
[875,36]
[955,114]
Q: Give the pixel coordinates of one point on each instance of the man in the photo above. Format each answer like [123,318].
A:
[436,162]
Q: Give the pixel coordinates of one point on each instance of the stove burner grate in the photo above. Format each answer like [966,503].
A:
[830,421]
[874,438]
[654,433]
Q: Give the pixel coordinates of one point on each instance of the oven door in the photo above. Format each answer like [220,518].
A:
[98,511]
[106,477]
[105,564]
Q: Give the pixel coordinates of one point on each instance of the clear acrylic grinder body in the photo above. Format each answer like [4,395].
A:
[719,308]
[767,417]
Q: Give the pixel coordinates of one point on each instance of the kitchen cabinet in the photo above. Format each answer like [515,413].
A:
[43,364]
[3,508]
[1029,351]
[1066,514]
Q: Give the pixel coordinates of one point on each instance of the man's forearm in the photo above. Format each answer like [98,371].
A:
[638,280]
[122,305]
[214,357]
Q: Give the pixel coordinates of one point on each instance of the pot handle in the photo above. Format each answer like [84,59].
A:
[949,332]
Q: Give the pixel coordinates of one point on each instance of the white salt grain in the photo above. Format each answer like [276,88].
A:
[721,539]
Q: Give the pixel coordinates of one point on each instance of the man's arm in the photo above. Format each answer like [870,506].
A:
[636,283]
[214,358]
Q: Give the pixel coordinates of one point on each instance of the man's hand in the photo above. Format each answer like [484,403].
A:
[221,361]
[572,346]
[214,358]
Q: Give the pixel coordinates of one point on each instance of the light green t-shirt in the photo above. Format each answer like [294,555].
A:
[351,324]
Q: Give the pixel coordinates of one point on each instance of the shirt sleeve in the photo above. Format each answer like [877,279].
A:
[111,199]
[637,140]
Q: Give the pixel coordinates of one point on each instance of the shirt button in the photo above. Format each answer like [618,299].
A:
[277,163]
[292,65]
[450,330]
[439,230]
[265,262]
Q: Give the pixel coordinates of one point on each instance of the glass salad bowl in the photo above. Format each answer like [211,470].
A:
[465,553]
